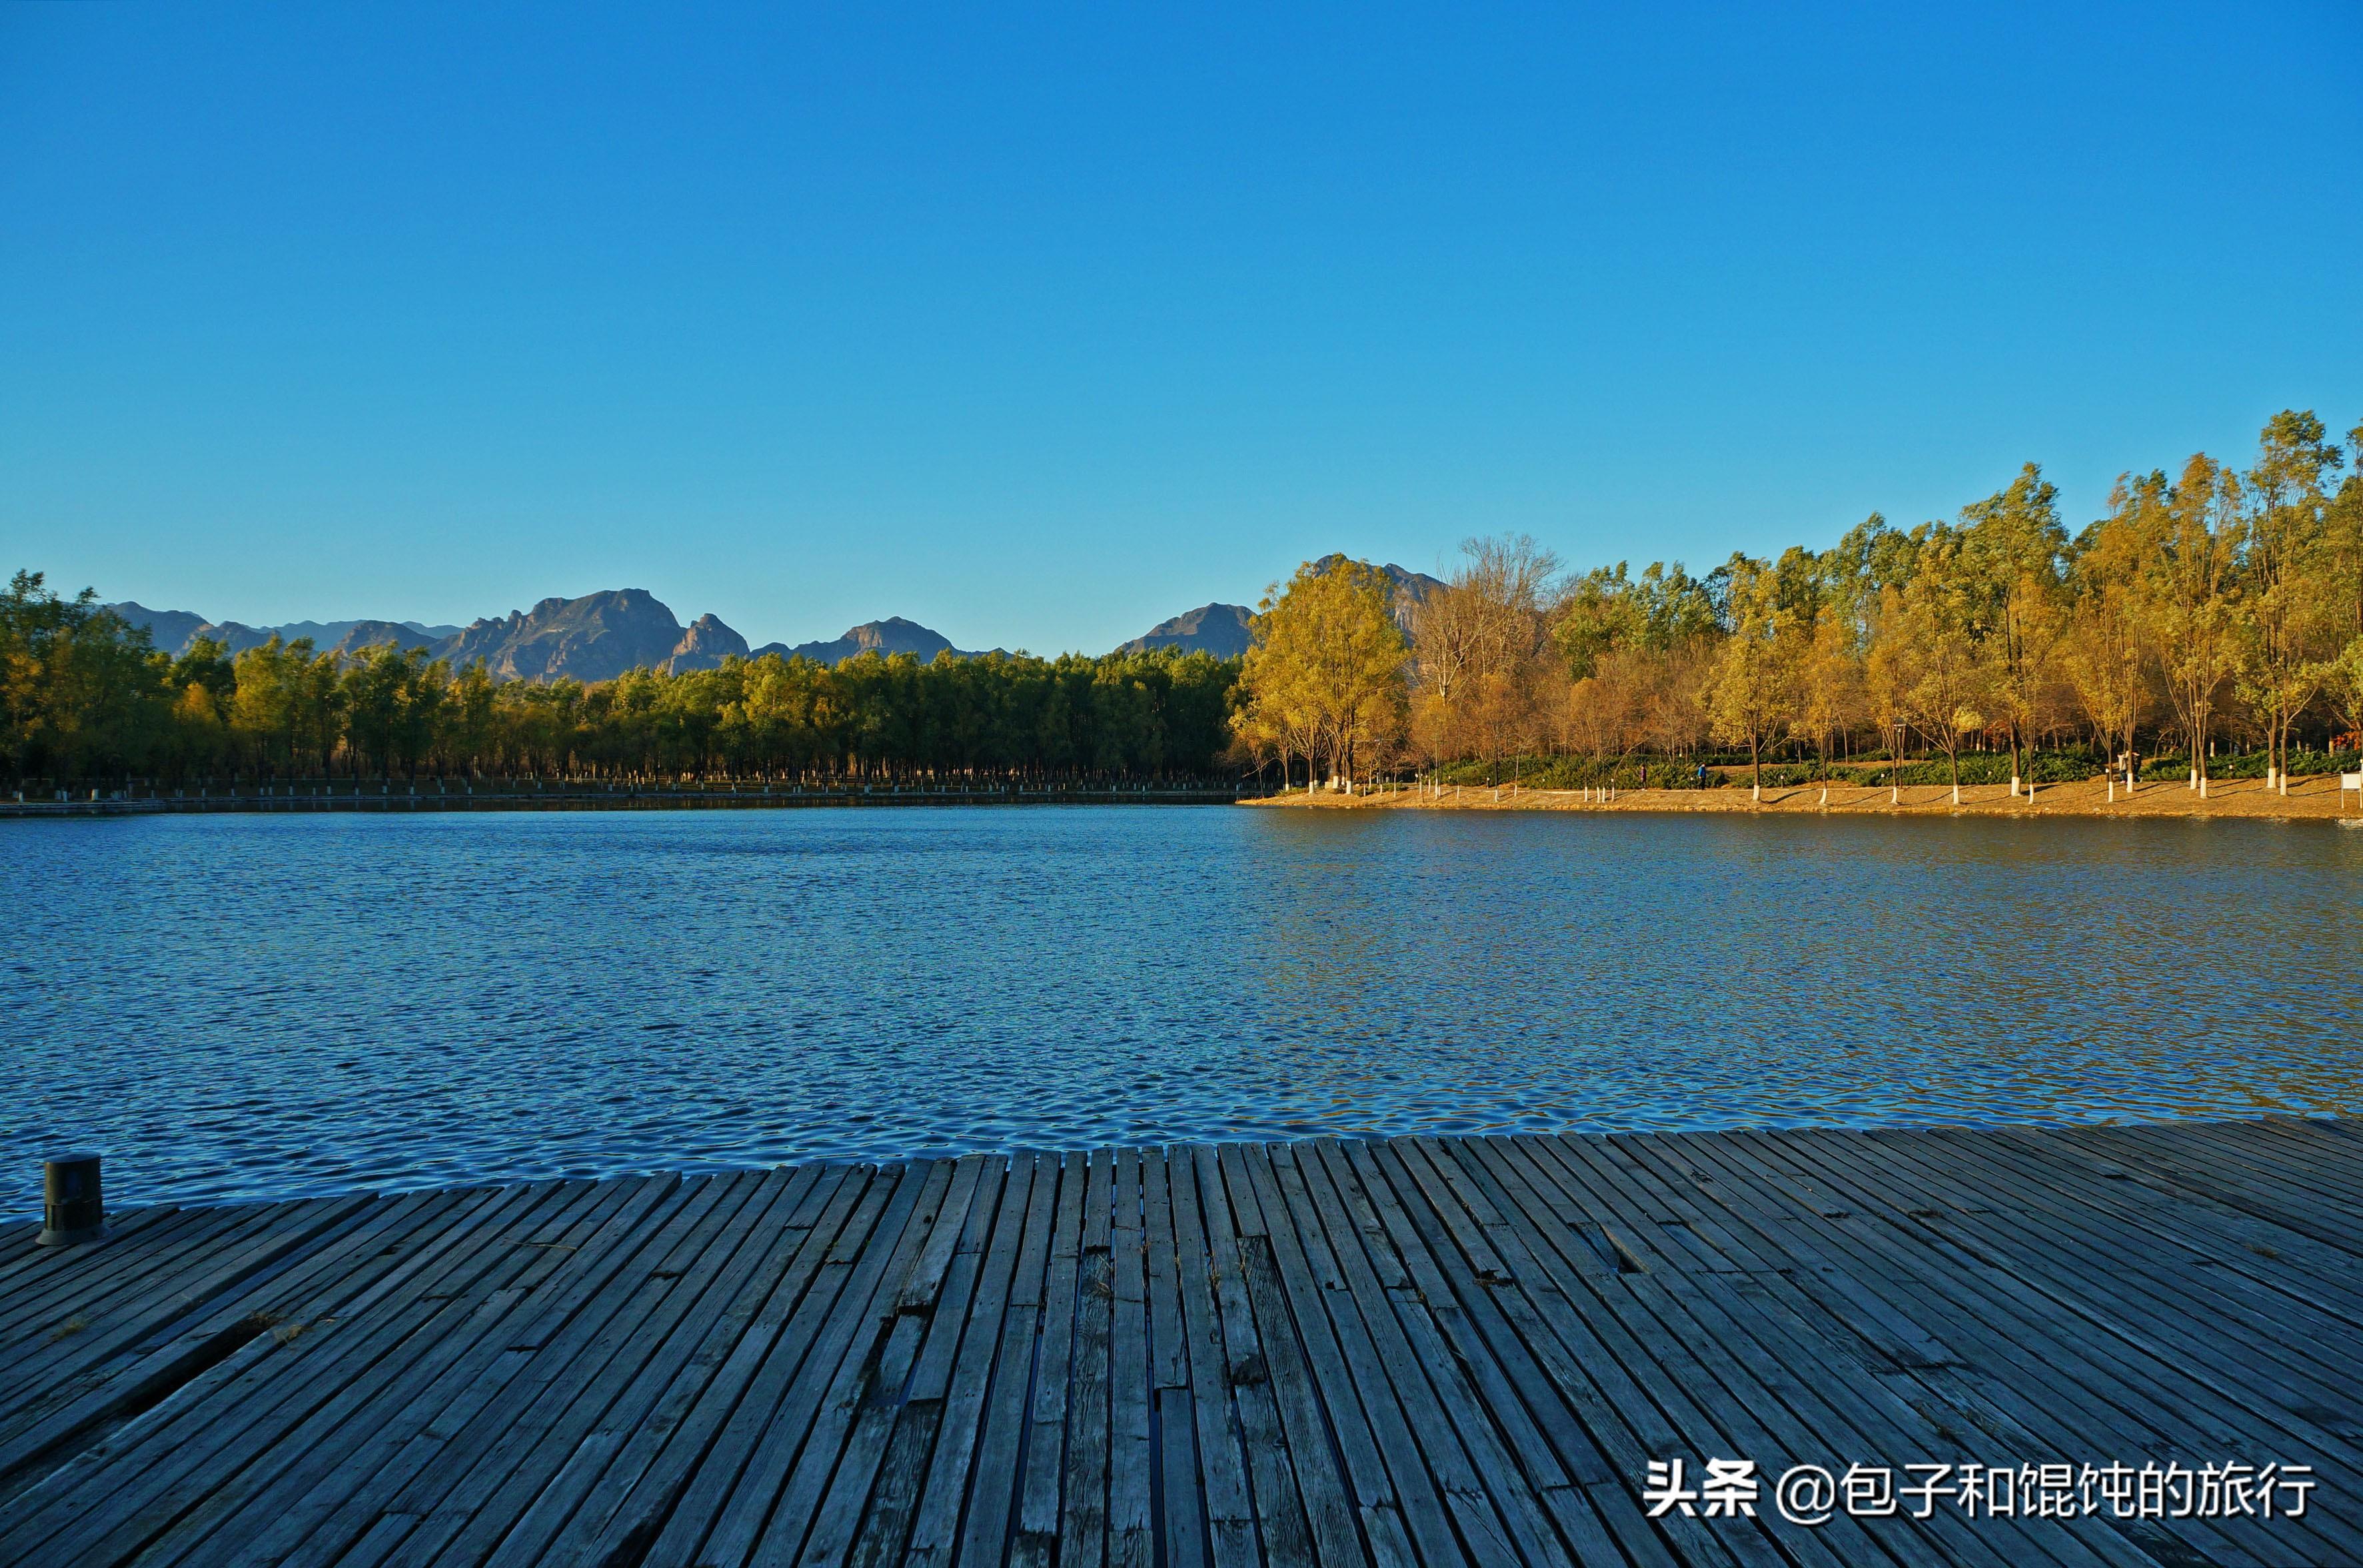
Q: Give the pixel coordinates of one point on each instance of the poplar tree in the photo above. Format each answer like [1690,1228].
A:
[2286,612]
[1752,694]
[2014,544]
[1324,671]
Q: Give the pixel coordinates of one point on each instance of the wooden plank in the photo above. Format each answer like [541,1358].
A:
[885,1527]
[1540,1442]
[1348,1498]
[2313,1178]
[150,1456]
[2059,1391]
[787,1382]
[1301,1501]
[688,1353]
[1082,1525]
[81,1397]
[985,1533]
[182,1309]
[1222,1465]
[637,1494]
[845,1440]
[1132,1482]
[798,1440]
[1180,1509]
[927,1281]
[488,1487]
[1351,1373]
[1641,1378]
[1040,1500]
[2188,1289]
[2287,1373]
[129,1232]
[181,1453]
[1498,1514]
[936,1526]
[89,1281]
[459,1350]
[490,1437]
[1775,1335]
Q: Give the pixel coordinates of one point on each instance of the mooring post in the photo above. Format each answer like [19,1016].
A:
[72,1206]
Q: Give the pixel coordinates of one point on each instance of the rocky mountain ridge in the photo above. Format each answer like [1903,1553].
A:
[600,636]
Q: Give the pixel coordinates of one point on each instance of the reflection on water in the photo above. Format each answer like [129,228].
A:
[250,1006]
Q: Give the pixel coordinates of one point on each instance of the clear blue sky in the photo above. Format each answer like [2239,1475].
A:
[1041,326]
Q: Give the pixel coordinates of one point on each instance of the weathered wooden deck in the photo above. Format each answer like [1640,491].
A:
[1414,1352]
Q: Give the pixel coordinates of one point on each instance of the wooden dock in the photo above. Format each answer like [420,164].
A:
[1414,1351]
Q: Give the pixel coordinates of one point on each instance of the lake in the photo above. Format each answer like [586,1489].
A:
[237,1008]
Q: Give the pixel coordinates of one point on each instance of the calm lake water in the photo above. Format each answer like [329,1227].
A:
[245,1007]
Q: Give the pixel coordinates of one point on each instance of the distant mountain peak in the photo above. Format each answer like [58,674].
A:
[1217,628]
[173,631]
[594,637]
[705,645]
[892,635]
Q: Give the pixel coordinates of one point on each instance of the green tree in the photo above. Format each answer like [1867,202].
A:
[81,695]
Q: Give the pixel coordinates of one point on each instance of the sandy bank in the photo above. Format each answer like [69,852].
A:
[2315,797]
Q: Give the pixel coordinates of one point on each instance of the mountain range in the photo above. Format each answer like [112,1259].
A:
[600,636]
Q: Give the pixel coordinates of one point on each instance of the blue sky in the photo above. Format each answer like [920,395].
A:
[1039,326]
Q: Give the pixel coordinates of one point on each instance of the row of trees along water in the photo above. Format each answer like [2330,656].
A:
[2212,608]
[83,696]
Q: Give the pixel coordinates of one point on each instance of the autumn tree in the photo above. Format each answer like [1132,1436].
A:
[1480,643]
[2188,537]
[1324,676]
[2287,614]
[2014,546]
[1751,692]
[2106,648]
[1929,661]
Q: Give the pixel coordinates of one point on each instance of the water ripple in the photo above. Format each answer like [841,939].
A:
[245,1007]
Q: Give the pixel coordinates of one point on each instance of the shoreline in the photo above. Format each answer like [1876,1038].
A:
[2315,797]
[306,799]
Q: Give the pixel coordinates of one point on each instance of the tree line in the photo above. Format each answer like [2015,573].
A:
[84,696]
[2211,607]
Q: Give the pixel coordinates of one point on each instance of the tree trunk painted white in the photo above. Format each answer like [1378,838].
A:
[2014,786]
[1826,795]
[1956,795]
[2113,789]
[1755,793]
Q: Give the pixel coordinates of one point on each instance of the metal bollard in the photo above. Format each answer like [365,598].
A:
[72,1206]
